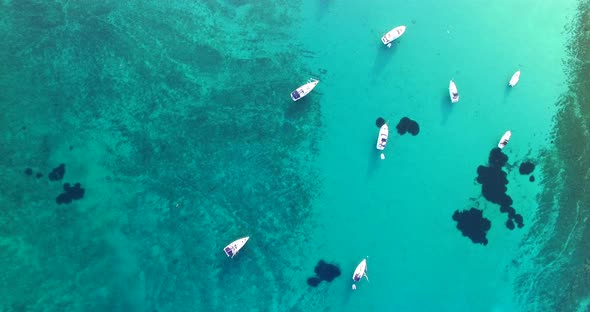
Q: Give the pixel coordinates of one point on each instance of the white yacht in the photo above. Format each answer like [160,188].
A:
[304,89]
[515,78]
[392,35]
[453,92]
[360,272]
[505,138]
[232,249]
[382,139]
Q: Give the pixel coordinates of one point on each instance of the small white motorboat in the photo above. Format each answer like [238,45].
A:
[382,139]
[505,138]
[360,272]
[515,78]
[304,89]
[453,92]
[232,249]
[392,35]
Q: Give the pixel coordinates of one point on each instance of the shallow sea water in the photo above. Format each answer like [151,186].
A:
[176,120]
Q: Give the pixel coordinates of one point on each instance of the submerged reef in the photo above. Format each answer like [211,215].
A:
[95,113]
[379,122]
[562,253]
[493,185]
[407,125]
[313,281]
[70,193]
[57,173]
[324,272]
[29,172]
[472,224]
[526,167]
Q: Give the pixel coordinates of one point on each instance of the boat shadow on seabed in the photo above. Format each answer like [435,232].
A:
[375,160]
[383,58]
[294,111]
[446,108]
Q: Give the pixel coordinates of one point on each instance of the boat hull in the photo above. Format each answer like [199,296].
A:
[382,139]
[515,78]
[360,271]
[304,90]
[234,247]
[393,34]
[505,138]
[453,92]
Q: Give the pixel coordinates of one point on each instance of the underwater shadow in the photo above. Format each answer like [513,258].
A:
[323,7]
[383,58]
[374,156]
[507,91]
[446,107]
[297,109]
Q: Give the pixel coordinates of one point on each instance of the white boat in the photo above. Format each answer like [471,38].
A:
[304,89]
[392,35]
[505,138]
[382,139]
[453,92]
[232,249]
[360,272]
[515,78]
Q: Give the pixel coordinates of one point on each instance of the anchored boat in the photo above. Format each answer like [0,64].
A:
[392,35]
[505,138]
[382,139]
[453,92]
[232,249]
[304,89]
[515,78]
[360,272]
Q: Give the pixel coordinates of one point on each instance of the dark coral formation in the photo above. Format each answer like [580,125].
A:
[70,193]
[380,122]
[313,281]
[518,219]
[57,173]
[472,224]
[29,172]
[493,185]
[532,178]
[526,167]
[407,125]
[324,272]
[497,159]
[510,224]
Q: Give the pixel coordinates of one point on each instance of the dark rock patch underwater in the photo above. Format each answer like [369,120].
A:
[57,173]
[472,224]
[493,185]
[324,272]
[408,125]
[70,193]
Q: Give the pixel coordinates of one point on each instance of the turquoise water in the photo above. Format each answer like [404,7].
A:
[176,119]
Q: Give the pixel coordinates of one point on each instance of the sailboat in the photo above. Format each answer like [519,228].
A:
[515,78]
[304,89]
[232,249]
[359,272]
[453,92]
